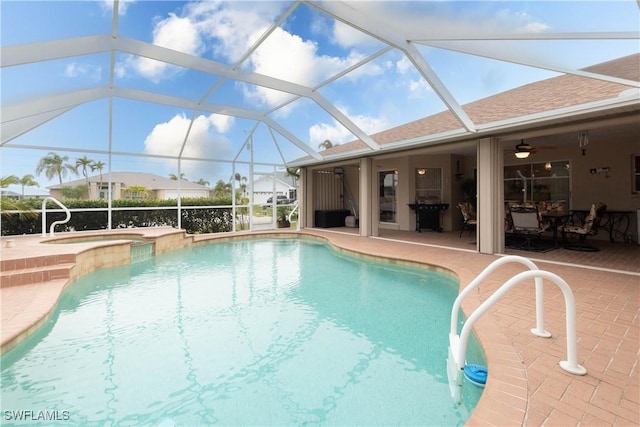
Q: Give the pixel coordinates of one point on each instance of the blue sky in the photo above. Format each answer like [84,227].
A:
[307,49]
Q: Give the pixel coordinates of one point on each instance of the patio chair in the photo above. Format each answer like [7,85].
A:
[526,224]
[469,217]
[589,227]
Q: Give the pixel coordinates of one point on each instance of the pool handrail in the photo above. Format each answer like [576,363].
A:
[539,329]
[44,215]
[458,343]
[295,207]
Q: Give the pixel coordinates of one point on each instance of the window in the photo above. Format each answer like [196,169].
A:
[537,182]
[428,185]
[388,201]
[103,192]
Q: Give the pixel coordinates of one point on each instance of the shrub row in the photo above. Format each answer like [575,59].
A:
[194,220]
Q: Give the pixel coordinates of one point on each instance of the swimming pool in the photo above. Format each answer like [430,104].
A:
[264,332]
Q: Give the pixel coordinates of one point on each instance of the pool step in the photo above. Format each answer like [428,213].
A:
[35,270]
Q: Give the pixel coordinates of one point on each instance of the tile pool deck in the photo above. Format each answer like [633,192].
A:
[526,385]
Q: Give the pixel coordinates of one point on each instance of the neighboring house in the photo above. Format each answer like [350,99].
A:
[28,194]
[156,186]
[263,187]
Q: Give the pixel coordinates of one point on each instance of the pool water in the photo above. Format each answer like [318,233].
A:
[252,332]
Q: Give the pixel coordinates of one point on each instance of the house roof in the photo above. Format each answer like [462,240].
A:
[148,180]
[554,94]
[279,177]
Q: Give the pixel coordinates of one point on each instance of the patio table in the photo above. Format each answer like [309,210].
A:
[616,222]
[555,219]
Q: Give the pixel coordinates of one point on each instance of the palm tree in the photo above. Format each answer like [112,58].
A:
[294,173]
[27,181]
[136,192]
[242,183]
[222,189]
[202,181]
[84,162]
[98,166]
[55,165]
[8,180]
[174,177]
[9,204]
[326,144]
[243,186]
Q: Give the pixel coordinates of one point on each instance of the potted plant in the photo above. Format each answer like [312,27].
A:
[283,217]
[468,187]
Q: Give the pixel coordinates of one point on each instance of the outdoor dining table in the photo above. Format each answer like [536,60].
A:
[555,219]
[615,222]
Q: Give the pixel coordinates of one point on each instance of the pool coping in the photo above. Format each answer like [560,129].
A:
[505,397]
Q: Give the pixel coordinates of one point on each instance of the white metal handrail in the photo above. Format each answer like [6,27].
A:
[539,329]
[293,211]
[44,215]
[458,344]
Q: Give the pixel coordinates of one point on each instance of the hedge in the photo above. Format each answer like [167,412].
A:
[194,221]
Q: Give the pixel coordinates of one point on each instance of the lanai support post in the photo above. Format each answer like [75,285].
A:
[490,228]
[365,218]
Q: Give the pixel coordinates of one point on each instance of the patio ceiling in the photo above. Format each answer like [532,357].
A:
[201,76]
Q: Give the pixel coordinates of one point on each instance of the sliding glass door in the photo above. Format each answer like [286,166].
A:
[388,196]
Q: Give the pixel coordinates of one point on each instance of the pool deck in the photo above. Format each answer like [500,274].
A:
[526,385]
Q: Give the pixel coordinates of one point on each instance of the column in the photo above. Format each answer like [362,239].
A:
[304,199]
[365,182]
[490,196]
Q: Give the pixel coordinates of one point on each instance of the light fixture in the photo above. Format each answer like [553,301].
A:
[547,166]
[523,150]
[422,171]
[583,141]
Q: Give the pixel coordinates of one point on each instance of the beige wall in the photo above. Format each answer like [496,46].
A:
[613,188]
[406,167]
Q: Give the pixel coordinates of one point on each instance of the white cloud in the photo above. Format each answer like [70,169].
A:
[76,69]
[535,27]
[288,57]
[347,36]
[338,134]
[403,65]
[229,29]
[418,88]
[221,123]
[203,142]
[174,33]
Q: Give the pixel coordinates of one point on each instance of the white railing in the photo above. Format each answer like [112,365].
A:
[44,215]
[295,208]
[458,344]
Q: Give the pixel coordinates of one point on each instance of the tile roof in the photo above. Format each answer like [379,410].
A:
[558,92]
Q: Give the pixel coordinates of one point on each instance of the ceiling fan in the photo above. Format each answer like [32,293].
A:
[523,150]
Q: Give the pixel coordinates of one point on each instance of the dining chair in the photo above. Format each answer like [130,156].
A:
[469,217]
[589,227]
[526,224]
